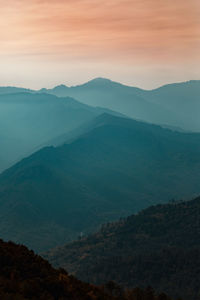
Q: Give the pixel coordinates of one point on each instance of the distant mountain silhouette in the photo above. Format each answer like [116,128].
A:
[182,98]
[29,121]
[159,246]
[114,168]
[112,95]
[14,90]
[174,104]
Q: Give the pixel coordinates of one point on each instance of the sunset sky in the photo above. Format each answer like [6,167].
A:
[144,43]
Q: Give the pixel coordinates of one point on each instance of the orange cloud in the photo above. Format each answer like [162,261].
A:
[137,31]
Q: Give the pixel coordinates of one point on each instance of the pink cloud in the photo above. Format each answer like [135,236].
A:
[121,31]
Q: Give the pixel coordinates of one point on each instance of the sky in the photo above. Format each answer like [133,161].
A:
[143,43]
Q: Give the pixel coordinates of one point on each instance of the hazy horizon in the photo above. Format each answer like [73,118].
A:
[67,84]
[144,43]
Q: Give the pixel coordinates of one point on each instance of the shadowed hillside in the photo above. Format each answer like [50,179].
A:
[24,275]
[117,167]
[159,246]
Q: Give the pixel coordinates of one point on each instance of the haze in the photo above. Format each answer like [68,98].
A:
[144,43]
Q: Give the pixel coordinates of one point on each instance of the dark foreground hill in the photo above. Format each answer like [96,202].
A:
[117,167]
[159,246]
[24,275]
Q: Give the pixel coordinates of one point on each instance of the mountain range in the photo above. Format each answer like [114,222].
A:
[29,121]
[173,104]
[116,167]
[74,158]
[159,246]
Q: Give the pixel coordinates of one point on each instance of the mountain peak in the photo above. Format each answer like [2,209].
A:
[61,87]
[99,81]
